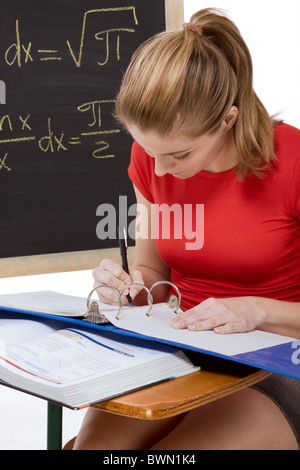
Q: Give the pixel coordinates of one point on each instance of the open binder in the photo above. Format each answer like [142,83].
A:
[275,353]
[94,315]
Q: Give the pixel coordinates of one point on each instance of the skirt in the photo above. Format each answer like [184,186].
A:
[285,393]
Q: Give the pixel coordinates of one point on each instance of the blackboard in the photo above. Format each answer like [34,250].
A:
[62,154]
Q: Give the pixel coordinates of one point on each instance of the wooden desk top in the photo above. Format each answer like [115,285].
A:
[216,379]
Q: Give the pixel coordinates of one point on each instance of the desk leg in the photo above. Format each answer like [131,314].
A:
[54,426]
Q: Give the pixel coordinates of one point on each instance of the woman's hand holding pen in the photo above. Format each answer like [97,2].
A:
[112,274]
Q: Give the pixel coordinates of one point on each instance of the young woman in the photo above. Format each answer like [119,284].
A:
[202,136]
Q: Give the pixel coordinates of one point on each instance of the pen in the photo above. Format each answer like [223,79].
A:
[123,250]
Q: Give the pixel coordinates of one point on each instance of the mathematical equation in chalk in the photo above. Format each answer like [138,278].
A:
[21,130]
[23,52]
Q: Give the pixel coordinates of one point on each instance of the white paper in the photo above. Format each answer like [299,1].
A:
[48,302]
[157,325]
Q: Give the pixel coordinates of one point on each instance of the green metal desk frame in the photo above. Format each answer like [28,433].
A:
[54,426]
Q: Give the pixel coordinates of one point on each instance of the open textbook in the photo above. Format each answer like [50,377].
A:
[77,367]
[256,348]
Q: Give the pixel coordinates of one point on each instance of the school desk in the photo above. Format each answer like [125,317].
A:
[216,379]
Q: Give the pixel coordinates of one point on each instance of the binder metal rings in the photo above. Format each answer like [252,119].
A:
[149,298]
[93,314]
[172,302]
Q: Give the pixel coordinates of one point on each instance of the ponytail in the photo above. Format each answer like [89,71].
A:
[195,76]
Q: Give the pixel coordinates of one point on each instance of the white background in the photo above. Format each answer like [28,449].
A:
[271,30]
[272,33]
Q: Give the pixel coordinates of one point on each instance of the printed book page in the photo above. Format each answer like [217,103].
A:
[14,329]
[80,366]
[72,354]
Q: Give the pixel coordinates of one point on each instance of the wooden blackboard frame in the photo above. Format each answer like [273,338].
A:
[80,260]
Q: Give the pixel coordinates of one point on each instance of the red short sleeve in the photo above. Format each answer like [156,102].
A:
[288,150]
[295,193]
[141,170]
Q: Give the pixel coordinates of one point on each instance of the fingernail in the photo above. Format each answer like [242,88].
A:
[177,324]
[133,293]
[192,327]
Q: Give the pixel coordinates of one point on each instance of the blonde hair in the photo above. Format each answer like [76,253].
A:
[179,77]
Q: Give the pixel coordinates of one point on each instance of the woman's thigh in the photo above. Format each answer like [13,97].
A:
[107,431]
[245,420]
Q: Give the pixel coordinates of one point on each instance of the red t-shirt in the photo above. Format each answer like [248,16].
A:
[249,238]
